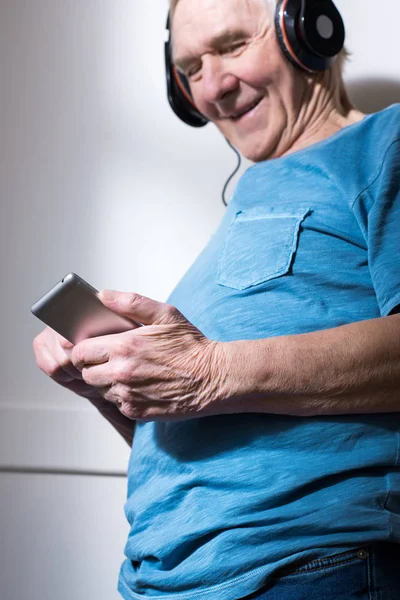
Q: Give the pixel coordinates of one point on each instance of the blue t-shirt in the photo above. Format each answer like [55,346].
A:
[217,505]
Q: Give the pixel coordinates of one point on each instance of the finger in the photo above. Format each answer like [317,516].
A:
[139,308]
[51,364]
[63,357]
[93,351]
[111,396]
[51,367]
[98,375]
[60,349]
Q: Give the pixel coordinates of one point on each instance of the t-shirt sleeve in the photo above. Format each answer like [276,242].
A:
[379,204]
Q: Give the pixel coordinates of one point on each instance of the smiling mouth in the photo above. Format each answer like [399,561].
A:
[245,112]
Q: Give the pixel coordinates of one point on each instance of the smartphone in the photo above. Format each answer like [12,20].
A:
[73,309]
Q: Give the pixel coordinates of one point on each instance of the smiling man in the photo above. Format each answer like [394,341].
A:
[263,401]
[241,81]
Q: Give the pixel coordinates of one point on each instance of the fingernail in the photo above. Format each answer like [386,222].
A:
[108,295]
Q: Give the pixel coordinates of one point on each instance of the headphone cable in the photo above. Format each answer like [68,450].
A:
[234,172]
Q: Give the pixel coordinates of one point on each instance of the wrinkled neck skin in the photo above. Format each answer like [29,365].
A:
[324,109]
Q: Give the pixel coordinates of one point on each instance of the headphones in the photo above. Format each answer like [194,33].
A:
[310,33]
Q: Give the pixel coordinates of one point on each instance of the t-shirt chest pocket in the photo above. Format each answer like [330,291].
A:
[259,246]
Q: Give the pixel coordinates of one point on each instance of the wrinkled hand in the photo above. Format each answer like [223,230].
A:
[53,356]
[166,370]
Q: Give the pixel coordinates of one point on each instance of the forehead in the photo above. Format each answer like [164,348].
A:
[196,23]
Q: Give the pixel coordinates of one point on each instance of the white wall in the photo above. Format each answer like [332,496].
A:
[99,177]
[62,537]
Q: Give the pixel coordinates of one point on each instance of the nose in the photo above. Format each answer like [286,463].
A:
[217,80]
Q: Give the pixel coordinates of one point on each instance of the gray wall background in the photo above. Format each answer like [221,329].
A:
[99,177]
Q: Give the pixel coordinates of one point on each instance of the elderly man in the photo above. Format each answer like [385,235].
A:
[263,401]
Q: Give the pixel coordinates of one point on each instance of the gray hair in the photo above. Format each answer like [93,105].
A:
[270,4]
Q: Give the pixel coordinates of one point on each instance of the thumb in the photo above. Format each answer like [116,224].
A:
[138,308]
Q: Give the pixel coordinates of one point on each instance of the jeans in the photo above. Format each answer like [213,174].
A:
[369,573]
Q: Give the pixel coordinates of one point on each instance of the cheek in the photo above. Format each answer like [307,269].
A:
[205,108]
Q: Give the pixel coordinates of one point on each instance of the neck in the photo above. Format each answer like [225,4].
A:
[324,113]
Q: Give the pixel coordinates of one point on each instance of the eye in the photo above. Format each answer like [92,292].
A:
[232,48]
[193,71]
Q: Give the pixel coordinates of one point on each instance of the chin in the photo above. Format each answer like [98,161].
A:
[254,152]
[256,156]
[254,148]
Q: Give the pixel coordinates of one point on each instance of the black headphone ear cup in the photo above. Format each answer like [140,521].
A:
[298,37]
[322,28]
[178,92]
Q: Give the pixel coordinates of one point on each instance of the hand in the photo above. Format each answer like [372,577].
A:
[166,370]
[53,356]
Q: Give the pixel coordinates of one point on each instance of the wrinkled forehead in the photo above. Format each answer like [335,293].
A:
[195,22]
